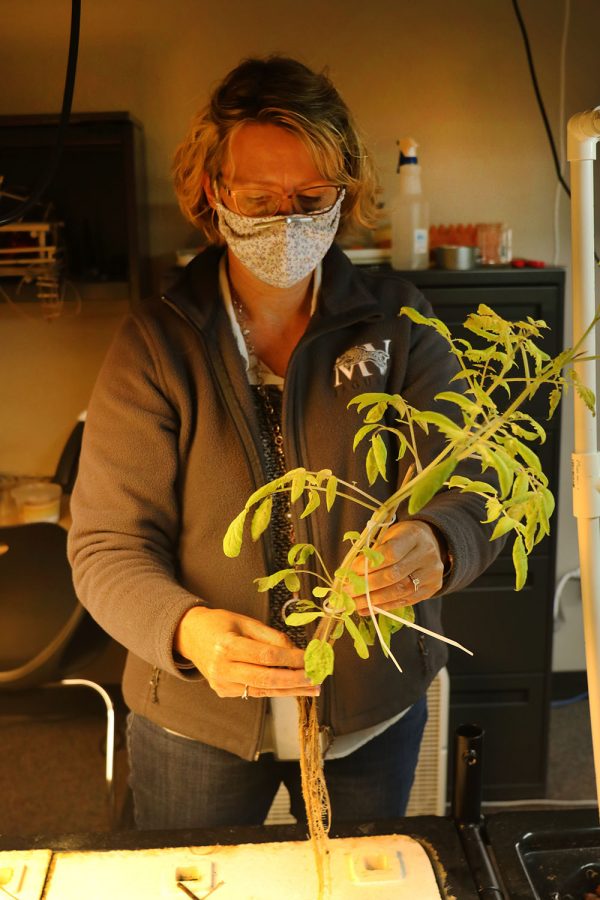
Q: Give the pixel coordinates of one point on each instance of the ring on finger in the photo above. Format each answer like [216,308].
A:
[415,582]
[245,692]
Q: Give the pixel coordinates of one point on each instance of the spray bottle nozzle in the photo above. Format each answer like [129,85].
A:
[408,152]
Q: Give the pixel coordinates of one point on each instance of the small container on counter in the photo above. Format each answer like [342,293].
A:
[37,501]
[456,257]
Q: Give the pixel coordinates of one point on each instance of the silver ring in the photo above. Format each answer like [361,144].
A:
[245,694]
[415,581]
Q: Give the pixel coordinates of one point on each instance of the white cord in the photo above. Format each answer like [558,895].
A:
[561,127]
[558,615]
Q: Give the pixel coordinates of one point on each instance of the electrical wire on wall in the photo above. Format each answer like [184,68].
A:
[540,103]
[562,128]
[35,252]
[23,207]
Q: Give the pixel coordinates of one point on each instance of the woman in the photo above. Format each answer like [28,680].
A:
[242,370]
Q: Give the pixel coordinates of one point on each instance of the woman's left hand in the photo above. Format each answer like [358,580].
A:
[411,571]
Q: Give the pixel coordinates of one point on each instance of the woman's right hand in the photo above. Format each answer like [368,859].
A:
[236,653]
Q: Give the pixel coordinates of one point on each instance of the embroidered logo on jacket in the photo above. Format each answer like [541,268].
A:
[363,357]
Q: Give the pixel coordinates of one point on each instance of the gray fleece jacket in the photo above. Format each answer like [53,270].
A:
[171,452]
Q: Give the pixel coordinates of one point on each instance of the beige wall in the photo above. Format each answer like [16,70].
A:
[453,75]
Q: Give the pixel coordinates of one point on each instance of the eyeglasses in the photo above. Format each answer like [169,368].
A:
[256,202]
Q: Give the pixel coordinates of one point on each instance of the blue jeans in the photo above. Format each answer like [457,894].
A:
[181,783]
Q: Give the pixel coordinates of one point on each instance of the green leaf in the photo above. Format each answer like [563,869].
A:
[467,486]
[375,557]
[397,402]
[464,373]
[548,501]
[499,461]
[532,459]
[359,642]
[493,508]
[503,526]
[430,321]
[541,432]
[460,400]
[426,488]
[554,400]
[292,583]
[302,618]
[318,661]
[376,412]
[331,491]
[338,631]
[368,399]
[351,536]
[584,392]
[415,316]
[367,631]
[299,553]
[234,536]
[361,433]
[320,591]
[298,485]
[389,626]
[261,518]
[349,605]
[371,466]
[443,423]
[266,489]
[380,454]
[314,501]
[519,557]
[269,581]
[357,581]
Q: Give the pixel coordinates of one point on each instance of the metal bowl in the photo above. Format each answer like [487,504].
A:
[455,256]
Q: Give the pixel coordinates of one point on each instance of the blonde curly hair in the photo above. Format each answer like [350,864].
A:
[284,92]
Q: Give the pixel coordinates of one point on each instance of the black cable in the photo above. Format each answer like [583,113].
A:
[19,211]
[538,95]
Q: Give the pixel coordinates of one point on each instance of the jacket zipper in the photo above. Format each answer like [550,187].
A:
[257,481]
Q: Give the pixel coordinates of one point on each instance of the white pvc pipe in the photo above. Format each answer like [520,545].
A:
[583,133]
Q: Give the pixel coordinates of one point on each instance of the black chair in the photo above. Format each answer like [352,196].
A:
[46,636]
[68,463]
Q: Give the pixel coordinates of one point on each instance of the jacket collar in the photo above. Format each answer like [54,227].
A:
[343,296]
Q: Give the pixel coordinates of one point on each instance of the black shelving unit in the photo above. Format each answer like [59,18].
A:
[505,686]
[98,195]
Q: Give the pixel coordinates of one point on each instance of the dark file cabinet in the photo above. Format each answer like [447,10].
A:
[505,686]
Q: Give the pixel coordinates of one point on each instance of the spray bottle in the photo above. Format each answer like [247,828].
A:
[410,212]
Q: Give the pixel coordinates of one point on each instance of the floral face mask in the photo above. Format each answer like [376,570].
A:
[280,250]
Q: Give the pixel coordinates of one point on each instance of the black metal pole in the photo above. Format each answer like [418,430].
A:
[466,810]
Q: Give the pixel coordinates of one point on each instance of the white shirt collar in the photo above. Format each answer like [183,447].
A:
[267,376]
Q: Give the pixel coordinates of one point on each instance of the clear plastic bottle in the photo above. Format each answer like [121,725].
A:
[410,212]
